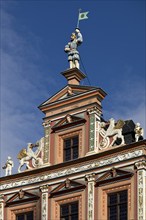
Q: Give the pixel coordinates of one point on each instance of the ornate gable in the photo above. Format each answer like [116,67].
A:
[21,197]
[113,175]
[68,121]
[68,92]
[66,187]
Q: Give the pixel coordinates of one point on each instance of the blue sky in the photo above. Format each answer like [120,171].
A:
[33,36]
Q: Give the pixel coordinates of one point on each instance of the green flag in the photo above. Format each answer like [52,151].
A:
[83,15]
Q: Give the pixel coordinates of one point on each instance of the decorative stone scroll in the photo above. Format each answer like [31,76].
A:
[1,207]
[47,130]
[44,202]
[141,189]
[90,207]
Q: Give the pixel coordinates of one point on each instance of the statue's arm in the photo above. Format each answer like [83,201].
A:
[79,38]
[67,48]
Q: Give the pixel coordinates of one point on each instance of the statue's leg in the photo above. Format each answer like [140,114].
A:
[77,64]
[70,64]
[136,138]
[123,141]
[27,165]
[114,139]
[19,168]
[10,171]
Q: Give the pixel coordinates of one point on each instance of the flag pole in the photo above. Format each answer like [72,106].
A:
[78,18]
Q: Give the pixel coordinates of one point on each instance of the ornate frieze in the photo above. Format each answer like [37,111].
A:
[73,170]
[44,202]
[1,207]
[90,207]
[141,189]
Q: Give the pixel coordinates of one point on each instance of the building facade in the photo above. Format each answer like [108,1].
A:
[84,168]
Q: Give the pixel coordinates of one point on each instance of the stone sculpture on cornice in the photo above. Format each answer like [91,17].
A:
[25,155]
[113,131]
[139,132]
[71,48]
[8,166]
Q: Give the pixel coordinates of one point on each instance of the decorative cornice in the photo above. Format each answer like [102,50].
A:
[74,170]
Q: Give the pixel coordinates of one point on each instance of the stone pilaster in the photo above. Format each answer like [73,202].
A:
[94,115]
[1,207]
[47,130]
[44,202]
[141,189]
[91,189]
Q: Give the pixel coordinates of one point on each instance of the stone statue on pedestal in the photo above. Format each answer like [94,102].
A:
[8,166]
[71,49]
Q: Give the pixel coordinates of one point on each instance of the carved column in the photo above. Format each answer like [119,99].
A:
[90,207]
[141,189]
[47,130]
[1,207]
[44,202]
[94,115]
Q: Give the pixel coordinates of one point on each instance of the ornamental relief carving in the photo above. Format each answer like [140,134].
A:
[64,172]
[110,132]
[140,195]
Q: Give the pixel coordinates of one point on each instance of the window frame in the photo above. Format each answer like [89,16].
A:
[72,148]
[117,204]
[70,214]
[25,215]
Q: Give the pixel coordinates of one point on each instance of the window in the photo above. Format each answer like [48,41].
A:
[25,216]
[71,148]
[69,211]
[117,206]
